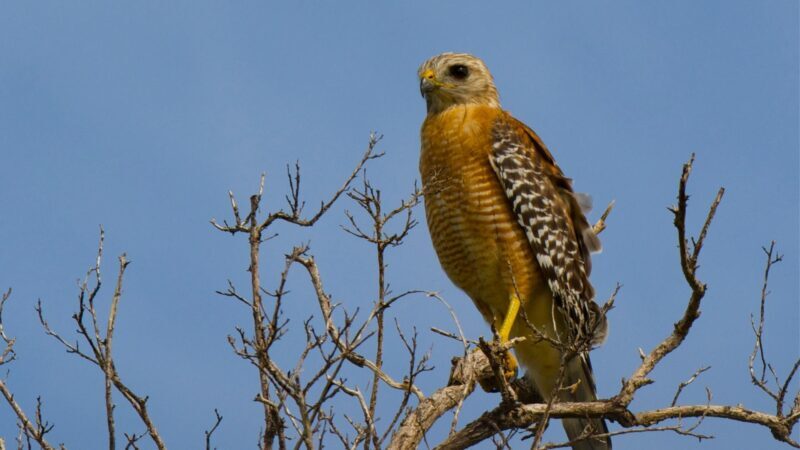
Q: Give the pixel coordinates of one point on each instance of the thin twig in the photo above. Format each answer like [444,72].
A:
[683,384]
[208,433]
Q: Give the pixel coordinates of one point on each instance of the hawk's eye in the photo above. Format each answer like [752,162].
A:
[459,71]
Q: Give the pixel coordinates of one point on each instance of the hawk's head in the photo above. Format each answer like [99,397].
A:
[456,79]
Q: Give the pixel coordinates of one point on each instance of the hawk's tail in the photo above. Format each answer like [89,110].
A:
[579,375]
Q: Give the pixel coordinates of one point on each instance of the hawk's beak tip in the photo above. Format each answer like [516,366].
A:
[426,86]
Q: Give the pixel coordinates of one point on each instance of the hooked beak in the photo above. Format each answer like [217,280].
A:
[427,82]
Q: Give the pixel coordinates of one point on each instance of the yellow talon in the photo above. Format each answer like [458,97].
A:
[510,368]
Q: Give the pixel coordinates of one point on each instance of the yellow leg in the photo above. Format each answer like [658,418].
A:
[510,366]
[511,316]
[505,333]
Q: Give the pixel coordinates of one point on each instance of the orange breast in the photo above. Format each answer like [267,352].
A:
[474,231]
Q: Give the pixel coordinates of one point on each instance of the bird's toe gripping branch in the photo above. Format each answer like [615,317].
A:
[508,364]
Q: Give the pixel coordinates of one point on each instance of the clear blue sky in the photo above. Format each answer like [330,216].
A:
[141,116]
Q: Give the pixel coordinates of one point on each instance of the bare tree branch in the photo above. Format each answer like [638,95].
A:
[35,430]
[600,225]
[100,343]
[683,384]
[208,433]
[299,400]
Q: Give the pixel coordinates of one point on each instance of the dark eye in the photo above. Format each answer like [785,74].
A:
[459,71]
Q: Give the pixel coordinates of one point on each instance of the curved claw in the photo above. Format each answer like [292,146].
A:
[510,370]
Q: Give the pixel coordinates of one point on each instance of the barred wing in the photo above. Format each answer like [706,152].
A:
[550,214]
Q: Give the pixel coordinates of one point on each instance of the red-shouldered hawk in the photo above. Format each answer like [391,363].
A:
[508,229]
